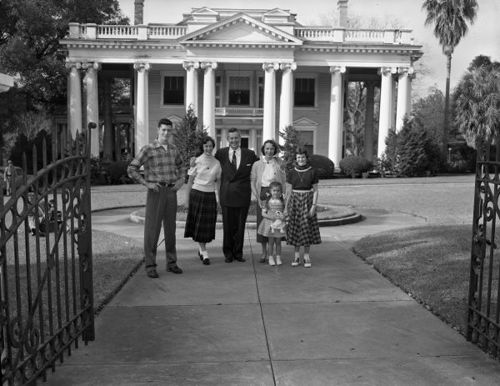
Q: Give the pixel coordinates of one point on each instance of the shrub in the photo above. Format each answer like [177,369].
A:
[354,165]
[412,151]
[323,165]
[292,142]
[116,172]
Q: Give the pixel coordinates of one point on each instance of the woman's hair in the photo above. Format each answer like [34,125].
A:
[204,141]
[208,139]
[272,142]
[301,150]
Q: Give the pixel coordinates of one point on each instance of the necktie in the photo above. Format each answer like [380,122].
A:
[233,160]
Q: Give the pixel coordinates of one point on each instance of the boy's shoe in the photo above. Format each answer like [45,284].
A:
[271,260]
[151,272]
[174,269]
[296,262]
[278,260]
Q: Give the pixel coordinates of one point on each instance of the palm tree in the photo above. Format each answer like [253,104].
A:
[477,101]
[450,19]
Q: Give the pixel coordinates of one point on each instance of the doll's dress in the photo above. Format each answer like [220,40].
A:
[273,228]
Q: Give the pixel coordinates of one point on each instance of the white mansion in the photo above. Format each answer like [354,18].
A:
[255,69]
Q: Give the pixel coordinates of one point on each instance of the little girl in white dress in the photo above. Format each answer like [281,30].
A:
[273,222]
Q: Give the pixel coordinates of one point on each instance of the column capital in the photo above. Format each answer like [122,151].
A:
[142,66]
[288,66]
[71,65]
[208,65]
[91,65]
[337,69]
[270,67]
[405,70]
[190,65]
[387,70]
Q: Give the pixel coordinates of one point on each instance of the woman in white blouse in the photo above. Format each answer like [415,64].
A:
[268,169]
[203,199]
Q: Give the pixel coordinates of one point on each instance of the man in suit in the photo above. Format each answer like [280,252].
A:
[235,192]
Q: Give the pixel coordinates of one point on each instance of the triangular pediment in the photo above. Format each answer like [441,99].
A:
[241,28]
[277,12]
[204,11]
[304,122]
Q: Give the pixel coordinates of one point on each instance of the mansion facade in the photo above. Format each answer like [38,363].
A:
[255,69]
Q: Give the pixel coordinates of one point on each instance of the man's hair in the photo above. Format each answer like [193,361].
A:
[233,130]
[165,121]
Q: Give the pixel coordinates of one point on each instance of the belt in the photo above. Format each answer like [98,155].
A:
[166,184]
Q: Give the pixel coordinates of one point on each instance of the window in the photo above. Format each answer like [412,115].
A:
[304,92]
[218,88]
[307,138]
[239,90]
[173,90]
[260,88]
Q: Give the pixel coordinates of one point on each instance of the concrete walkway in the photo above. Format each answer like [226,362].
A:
[338,323]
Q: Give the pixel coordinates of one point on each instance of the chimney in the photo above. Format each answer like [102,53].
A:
[138,12]
[342,8]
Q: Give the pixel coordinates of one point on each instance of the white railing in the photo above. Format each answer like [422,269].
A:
[239,111]
[342,35]
[91,31]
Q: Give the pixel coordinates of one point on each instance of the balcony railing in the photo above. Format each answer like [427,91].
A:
[93,31]
[342,35]
[239,111]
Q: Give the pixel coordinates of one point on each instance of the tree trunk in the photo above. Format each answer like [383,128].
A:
[446,105]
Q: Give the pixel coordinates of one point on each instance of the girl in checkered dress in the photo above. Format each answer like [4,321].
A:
[203,199]
[303,228]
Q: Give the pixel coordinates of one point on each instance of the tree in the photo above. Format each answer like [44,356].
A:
[430,111]
[29,41]
[355,117]
[292,142]
[477,100]
[450,18]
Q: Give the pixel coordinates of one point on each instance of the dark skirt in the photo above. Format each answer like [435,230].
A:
[264,195]
[302,230]
[201,217]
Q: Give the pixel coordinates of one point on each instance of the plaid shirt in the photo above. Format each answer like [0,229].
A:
[160,165]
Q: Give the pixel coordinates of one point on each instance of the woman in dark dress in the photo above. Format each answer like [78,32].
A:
[303,228]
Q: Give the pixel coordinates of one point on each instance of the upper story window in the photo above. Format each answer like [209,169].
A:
[239,90]
[173,90]
[260,92]
[305,92]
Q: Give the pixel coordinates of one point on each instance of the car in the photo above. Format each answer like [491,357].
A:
[16,181]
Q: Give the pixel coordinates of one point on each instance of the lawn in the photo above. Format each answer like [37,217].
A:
[430,263]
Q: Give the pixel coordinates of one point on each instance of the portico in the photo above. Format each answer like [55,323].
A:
[258,70]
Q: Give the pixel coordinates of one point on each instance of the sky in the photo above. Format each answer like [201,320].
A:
[483,37]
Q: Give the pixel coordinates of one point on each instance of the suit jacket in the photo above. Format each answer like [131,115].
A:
[235,188]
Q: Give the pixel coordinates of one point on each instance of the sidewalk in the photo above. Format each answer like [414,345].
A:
[338,323]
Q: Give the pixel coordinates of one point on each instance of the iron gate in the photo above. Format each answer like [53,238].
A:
[483,318]
[46,297]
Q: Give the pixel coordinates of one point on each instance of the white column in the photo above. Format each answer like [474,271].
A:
[253,141]
[286,97]
[385,118]
[269,120]
[209,97]
[142,105]
[75,99]
[403,104]
[92,102]
[336,126]
[191,85]
[223,137]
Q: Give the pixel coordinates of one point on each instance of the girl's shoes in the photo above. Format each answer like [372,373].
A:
[271,260]
[278,260]
[204,257]
[307,262]
[296,261]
